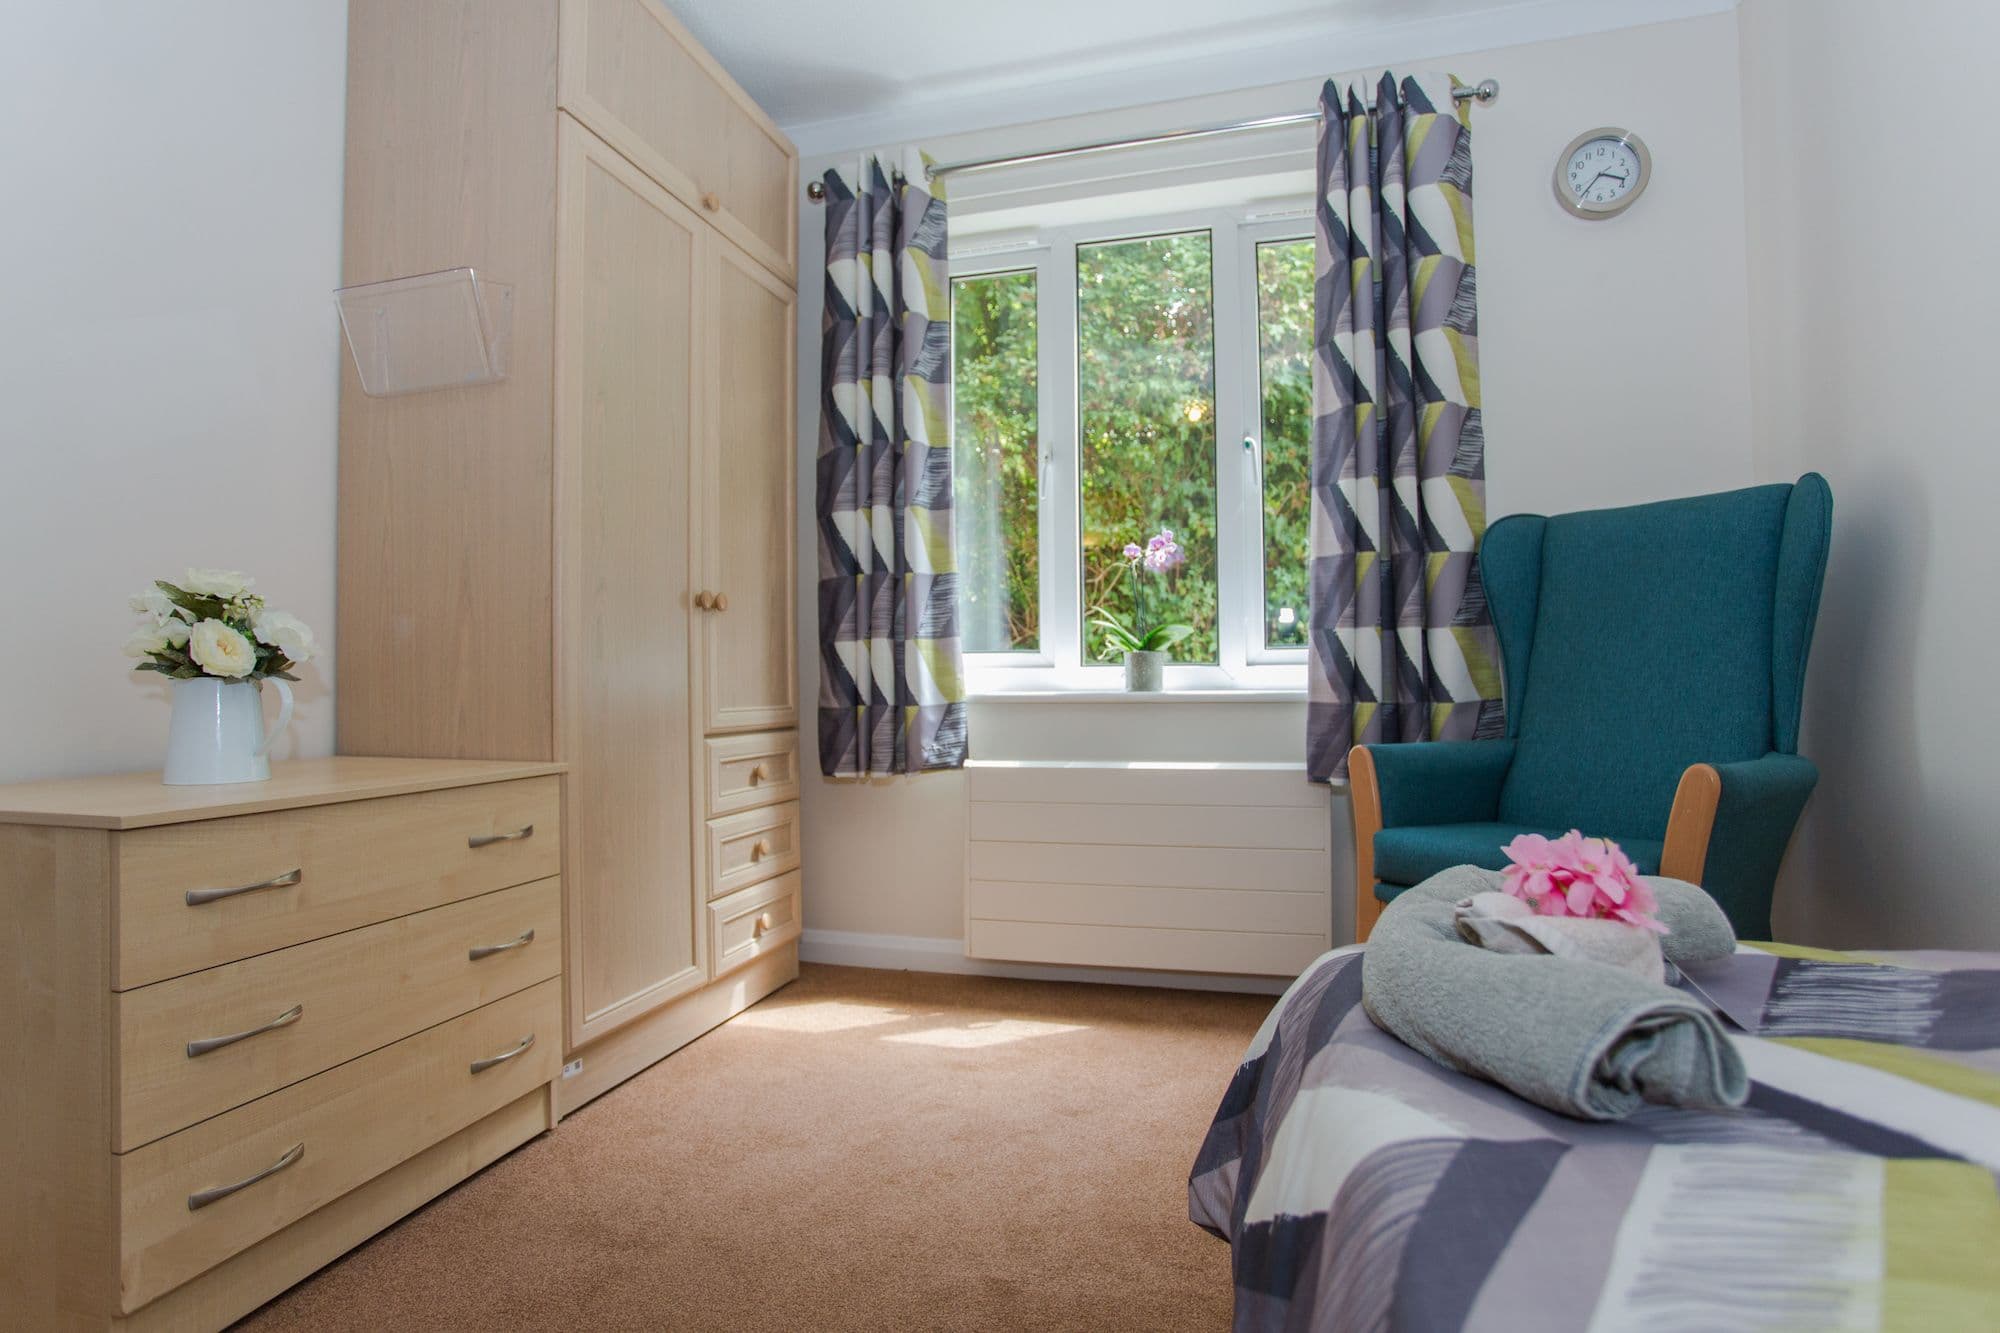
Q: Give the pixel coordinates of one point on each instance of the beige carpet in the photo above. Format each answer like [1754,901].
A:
[864,1150]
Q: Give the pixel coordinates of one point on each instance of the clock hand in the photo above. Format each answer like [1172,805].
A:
[1592,181]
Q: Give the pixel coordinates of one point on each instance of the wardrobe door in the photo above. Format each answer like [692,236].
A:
[627,374]
[744,621]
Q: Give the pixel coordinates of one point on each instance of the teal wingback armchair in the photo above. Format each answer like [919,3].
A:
[1654,659]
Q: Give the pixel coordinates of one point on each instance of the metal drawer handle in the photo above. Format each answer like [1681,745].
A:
[481,1066]
[488,839]
[207,1197]
[207,1044]
[488,950]
[196,897]
[759,850]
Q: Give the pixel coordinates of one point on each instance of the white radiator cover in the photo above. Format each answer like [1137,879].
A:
[1192,867]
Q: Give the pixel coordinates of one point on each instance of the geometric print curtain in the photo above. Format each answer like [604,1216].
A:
[1401,643]
[892,680]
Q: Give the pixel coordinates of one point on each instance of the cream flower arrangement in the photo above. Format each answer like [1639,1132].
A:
[212,624]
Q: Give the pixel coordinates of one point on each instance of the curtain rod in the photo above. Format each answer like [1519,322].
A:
[1485,91]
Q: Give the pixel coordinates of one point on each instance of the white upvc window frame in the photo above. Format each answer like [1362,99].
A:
[1244,665]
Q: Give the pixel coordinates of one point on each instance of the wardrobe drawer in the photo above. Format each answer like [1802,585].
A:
[290,1014]
[752,922]
[262,882]
[299,1149]
[751,847]
[758,768]
[631,73]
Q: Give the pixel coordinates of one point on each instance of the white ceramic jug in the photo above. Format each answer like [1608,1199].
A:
[217,732]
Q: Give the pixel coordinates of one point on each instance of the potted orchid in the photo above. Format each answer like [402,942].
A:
[217,642]
[1144,647]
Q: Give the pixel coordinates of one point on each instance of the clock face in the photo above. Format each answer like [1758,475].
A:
[1602,173]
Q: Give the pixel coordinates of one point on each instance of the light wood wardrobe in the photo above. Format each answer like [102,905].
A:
[590,561]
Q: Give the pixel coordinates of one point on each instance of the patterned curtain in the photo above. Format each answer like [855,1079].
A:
[892,682]
[1402,645]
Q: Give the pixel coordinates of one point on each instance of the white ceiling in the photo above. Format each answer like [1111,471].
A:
[838,73]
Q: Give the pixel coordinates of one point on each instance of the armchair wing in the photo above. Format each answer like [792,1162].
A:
[1432,782]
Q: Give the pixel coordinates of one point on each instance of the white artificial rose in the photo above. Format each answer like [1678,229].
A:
[221,651]
[175,632]
[146,640]
[287,633]
[154,603]
[224,583]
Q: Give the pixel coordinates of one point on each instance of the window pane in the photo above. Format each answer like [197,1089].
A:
[1284,353]
[996,446]
[1146,417]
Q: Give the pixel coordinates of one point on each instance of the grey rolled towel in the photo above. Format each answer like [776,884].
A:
[1577,1037]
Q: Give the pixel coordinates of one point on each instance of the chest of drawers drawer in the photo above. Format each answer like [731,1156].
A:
[195,1198]
[193,895]
[203,1043]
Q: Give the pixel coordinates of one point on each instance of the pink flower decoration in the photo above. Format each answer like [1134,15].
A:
[1132,552]
[1580,877]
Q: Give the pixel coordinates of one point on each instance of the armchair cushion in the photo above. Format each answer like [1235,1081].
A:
[1411,855]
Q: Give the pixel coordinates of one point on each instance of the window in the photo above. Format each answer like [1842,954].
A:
[997,448]
[1284,375]
[1145,399]
[1114,380]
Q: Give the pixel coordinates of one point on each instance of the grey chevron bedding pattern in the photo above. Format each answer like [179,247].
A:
[1363,1187]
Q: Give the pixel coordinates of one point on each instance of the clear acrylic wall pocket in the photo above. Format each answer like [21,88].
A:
[441,330]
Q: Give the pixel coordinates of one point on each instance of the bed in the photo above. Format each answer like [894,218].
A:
[1361,1186]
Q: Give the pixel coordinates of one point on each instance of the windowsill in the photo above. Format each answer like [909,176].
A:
[1087,694]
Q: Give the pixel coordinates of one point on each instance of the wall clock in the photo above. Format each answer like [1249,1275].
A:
[1602,173]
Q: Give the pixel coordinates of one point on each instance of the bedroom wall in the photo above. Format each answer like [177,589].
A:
[1614,367]
[1871,283]
[168,357]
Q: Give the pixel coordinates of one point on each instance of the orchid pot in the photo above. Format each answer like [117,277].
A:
[1145,672]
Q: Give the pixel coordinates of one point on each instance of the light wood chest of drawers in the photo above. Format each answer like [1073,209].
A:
[245,1027]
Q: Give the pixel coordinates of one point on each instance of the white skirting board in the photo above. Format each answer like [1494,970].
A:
[1218,869]
[909,953]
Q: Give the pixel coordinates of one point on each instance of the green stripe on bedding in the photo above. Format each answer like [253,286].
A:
[1807,951]
[1941,1229]
[1906,1063]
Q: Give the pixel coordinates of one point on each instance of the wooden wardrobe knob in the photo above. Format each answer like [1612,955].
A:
[701,601]
[757,775]
[764,923]
[720,601]
[759,850]
[712,202]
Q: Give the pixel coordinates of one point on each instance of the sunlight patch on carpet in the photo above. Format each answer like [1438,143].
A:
[997,1032]
[818,1016]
